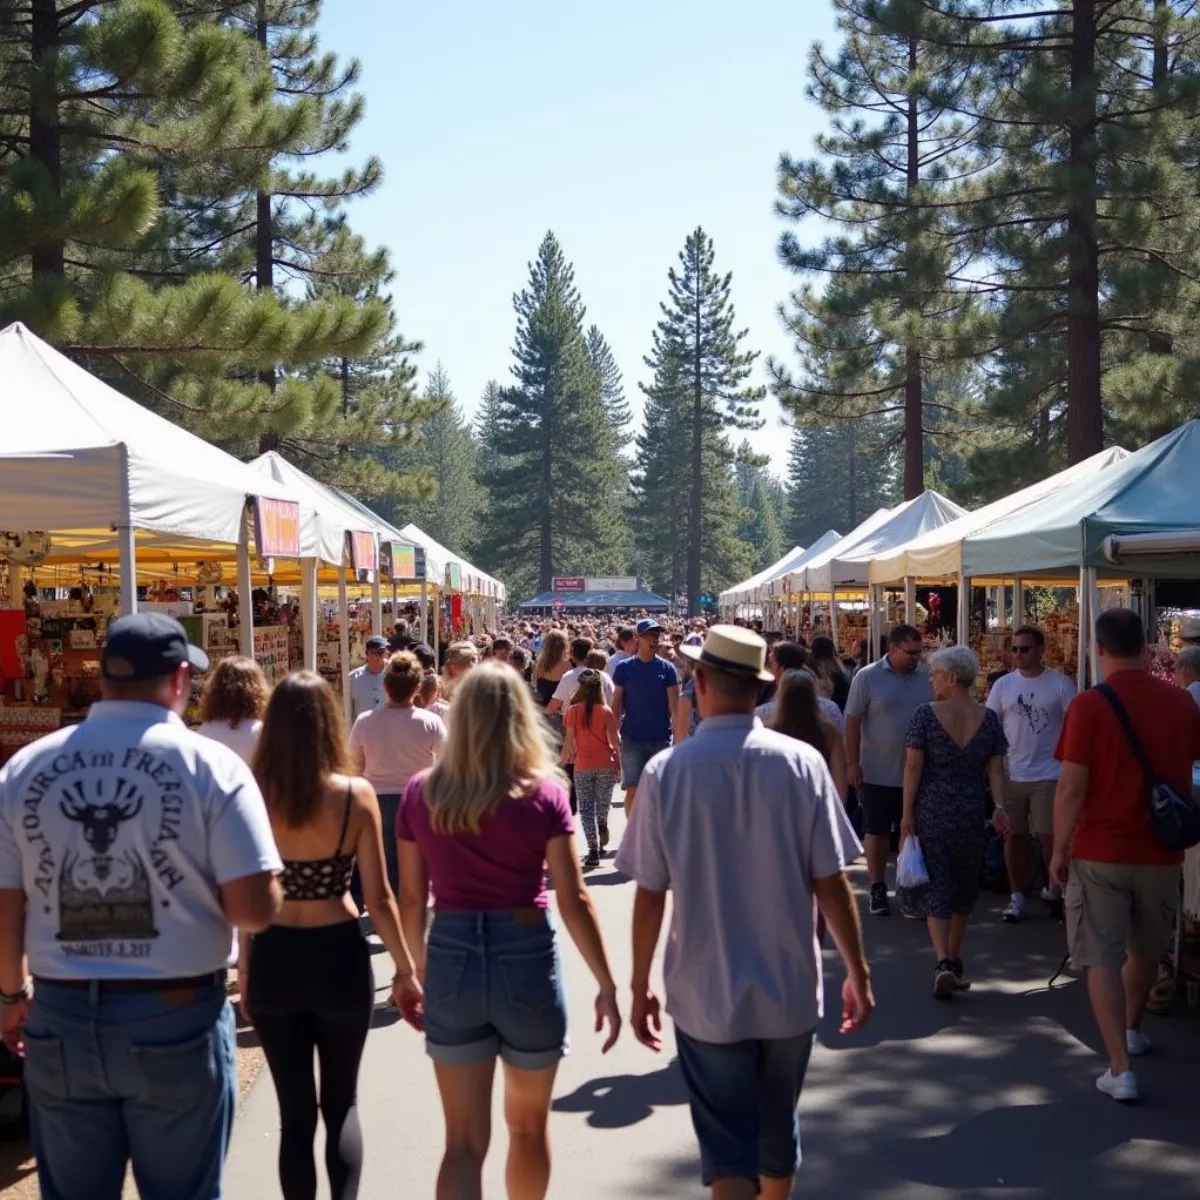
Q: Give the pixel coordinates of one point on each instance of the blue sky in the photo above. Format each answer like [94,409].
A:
[619,125]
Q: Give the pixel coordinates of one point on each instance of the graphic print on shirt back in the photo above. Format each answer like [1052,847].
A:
[1036,717]
[103,891]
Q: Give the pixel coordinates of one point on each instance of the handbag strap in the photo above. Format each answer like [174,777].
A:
[1135,743]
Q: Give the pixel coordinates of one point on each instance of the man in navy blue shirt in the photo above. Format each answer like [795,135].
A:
[644,705]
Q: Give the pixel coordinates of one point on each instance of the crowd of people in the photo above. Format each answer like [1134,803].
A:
[133,850]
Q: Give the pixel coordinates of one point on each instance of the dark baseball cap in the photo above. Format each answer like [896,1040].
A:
[147,646]
[424,654]
[648,625]
[377,643]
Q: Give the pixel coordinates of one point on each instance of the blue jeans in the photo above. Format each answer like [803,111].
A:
[389,810]
[135,1076]
[493,986]
[743,1098]
[635,756]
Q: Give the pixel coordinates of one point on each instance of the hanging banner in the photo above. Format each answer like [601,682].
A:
[610,583]
[418,562]
[568,583]
[398,560]
[362,551]
[453,576]
[276,528]
[456,613]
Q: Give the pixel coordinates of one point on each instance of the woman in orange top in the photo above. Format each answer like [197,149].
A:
[594,745]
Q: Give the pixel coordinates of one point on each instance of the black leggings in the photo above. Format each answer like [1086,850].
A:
[314,989]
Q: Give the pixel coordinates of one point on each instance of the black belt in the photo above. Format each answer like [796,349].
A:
[134,986]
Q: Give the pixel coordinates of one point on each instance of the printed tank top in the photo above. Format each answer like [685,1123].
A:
[320,878]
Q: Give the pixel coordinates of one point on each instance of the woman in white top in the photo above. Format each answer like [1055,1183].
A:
[390,745]
[232,705]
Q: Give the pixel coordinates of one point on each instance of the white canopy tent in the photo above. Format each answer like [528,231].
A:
[83,462]
[938,554]
[746,591]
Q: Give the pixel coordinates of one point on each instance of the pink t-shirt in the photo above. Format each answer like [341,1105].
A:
[504,865]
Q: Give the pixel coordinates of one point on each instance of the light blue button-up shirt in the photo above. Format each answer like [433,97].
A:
[737,822]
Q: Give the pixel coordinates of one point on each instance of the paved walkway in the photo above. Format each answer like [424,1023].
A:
[990,1095]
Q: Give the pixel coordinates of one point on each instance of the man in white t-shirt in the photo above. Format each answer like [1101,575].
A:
[626,648]
[1031,702]
[567,685]
[129,849]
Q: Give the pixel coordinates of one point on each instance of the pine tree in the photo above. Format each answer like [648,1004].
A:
[887,315]
[763,532]
[551,496]
[612,388]
[663,487]
[696,336]
[446,452]
[834,481]
[1086,140]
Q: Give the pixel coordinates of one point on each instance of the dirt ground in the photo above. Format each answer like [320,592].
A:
[18,1173]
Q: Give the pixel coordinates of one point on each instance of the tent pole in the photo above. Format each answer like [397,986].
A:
[1084,622]
[344,639]
[425,615]
[308,611]
[833,628]
[1018,604]
[964,610]
[127,548]
[437,653]
[395,600]
[245,593]
[910,600]
[1093,613]
[376,596]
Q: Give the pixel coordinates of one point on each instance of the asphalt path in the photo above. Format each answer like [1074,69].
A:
[989,1095]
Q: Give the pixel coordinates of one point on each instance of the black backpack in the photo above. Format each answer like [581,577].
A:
[1175,818]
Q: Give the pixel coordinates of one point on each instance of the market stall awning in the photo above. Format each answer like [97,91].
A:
[1154,490]
[325,518]
[780,584]
[78,455]
[606,601]
[938,554]
[847,564]
[464,577]
[742,592]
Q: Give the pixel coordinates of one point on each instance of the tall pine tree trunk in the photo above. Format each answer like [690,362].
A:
[696,512]
[852,481]
[1085,418]
[1159,341]
[45,135]
[264,244]
[914,425]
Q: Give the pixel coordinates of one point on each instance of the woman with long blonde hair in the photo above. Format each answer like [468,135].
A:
[481,826]
[307,983]
[551,665]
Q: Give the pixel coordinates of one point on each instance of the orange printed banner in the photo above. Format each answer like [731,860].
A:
[276,528]
[362,551]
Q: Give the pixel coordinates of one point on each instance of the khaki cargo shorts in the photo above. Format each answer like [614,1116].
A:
[1116,907]
[1025,800]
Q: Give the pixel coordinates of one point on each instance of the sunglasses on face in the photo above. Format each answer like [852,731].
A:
[1023,649]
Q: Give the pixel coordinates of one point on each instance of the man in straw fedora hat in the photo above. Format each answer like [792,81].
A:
[745,826]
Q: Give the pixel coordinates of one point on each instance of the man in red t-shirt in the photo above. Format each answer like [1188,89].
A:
[1122,893]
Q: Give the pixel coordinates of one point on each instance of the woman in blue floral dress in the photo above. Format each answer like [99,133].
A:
[955,748]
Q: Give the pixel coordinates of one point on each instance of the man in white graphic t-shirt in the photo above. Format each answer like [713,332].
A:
[1031,702]
[129,849]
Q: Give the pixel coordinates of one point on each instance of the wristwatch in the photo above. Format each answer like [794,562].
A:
[8,999]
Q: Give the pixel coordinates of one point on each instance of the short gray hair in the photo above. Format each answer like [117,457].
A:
[1188,659]
[958,661]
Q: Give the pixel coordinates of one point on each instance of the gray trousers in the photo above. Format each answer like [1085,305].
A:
[594,790]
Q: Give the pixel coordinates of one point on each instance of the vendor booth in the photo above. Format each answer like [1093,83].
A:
[935,558]
[841,572]
[736,601]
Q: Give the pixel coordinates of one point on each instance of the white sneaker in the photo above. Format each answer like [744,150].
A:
[1122,1088]
[1136,1043]
[1016,909]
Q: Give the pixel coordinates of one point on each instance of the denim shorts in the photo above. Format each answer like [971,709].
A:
[635,756]
[494,986]
[743,1098]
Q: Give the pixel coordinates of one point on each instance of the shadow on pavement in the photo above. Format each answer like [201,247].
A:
[617,1101]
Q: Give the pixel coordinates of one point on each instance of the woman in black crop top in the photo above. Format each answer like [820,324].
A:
[307,982]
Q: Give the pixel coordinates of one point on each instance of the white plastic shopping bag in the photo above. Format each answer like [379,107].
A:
[910,866]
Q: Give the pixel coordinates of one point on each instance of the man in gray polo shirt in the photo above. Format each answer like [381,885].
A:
[744,825]
[883,698]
